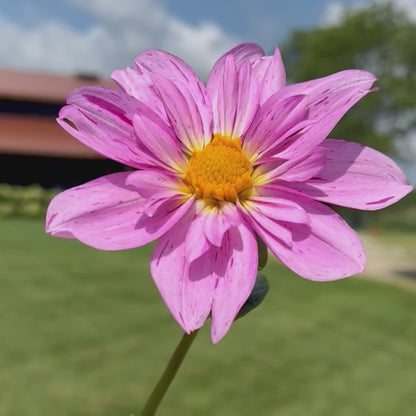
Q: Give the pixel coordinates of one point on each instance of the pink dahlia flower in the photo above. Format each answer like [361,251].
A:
[218,166]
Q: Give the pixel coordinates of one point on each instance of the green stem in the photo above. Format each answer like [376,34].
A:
[168,375]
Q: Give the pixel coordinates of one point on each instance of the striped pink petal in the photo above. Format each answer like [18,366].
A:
[139,86]
[356,176]
[300,170]
[271,74]
[325,248]
[234,92]
[102,119]
[107,213]
[102,213]
[175,80]
[235,265]
[188,297]
[274,121]
[218,281]
[328,99]
[190,119]
[218,220]
[158,142]
[154,184]
[242,53]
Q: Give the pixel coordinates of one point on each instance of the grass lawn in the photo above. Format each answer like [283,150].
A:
[84,333]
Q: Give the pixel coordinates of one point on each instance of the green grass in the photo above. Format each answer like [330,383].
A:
[84,332]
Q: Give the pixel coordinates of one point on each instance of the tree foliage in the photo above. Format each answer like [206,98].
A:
[379,39]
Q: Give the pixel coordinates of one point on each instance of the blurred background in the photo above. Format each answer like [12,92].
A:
[84,332]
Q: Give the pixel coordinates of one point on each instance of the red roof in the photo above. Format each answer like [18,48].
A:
[34,86]
[37,135]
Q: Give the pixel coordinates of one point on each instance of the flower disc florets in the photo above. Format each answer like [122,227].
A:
[220,171]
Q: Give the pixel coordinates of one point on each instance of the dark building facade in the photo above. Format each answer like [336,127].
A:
[33,147]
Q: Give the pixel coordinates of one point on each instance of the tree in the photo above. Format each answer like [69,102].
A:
[379,39]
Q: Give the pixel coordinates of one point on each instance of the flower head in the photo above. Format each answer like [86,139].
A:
[217,167]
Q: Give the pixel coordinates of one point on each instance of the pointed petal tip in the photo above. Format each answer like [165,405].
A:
[49,221]
[356,176]
[356,74]
[218,331]
[215,337]
[246,49]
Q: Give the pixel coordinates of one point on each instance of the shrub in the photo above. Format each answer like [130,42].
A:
[25,201]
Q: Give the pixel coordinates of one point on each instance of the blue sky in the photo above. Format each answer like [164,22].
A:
[97,36]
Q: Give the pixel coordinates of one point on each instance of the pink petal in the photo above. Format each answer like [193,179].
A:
[196,243]
[247,100]
[157,139]
[260,221]
[140,86]
[171,67]
[329,98]
[298,170]
[217,220]
[190,119]
[153,184]
[271,74]
[102,119]
[167,213]
[234,93]
[236,269]
[101,213]
[106,213]
[271,124]
[222,84]
[221,278]
[187,296]
[186,86]
[276,207]
[244,52]
[304,169]
[324,249]
[325,94]
[356,176]
[222,88]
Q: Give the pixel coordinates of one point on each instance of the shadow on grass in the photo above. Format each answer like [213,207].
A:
[408,273]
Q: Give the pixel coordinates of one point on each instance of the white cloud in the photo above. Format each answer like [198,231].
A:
[408,6]
[51,47]
[333,13]
[115,37]
[126,10]
[335,9]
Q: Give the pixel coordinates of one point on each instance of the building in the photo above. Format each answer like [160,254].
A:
[33,147]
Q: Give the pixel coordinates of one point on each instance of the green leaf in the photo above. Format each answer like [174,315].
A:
[260,289]
[262,253]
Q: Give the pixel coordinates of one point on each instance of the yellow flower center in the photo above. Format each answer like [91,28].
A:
[220,171]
